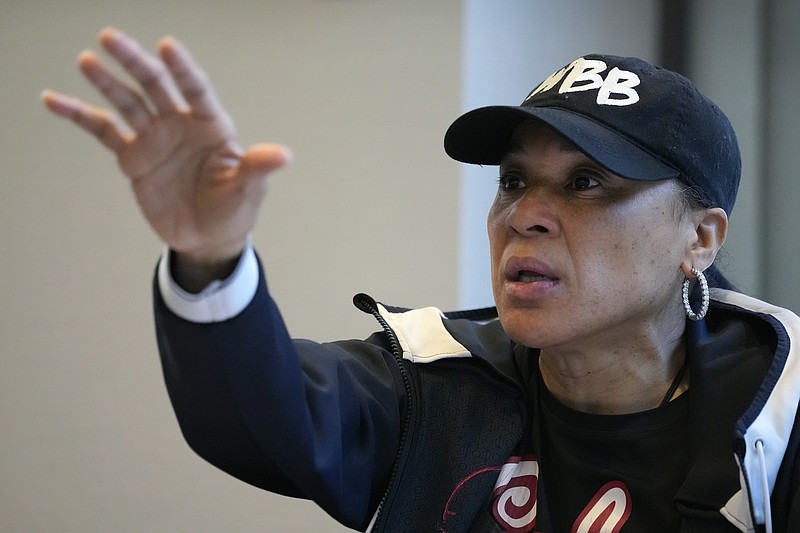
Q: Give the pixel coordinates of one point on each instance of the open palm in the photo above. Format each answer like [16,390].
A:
[198,189]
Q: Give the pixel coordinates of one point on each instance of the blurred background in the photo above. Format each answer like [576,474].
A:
[362,91]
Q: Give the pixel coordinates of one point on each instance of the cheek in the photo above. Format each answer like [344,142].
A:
[658,269]
[495,232]
[493,218]
[628,254]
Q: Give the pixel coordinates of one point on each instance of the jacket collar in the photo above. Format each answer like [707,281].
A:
[765,429]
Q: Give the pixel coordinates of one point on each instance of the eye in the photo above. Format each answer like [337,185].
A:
[510,182]
[583,182]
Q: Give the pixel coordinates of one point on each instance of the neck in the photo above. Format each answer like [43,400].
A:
[630,378]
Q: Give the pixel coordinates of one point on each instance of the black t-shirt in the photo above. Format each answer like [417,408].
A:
[587,473]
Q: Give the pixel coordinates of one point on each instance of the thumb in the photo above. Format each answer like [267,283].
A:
[261,159]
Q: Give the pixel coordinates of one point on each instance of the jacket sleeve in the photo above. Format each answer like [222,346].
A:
[318,421]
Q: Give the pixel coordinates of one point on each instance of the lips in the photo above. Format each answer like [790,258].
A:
[528,270]
[529,281]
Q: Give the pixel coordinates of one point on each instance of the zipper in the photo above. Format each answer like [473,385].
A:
[368,305]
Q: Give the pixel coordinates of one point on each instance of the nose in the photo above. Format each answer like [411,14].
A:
[532,214]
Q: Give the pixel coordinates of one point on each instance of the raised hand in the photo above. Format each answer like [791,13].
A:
[198,189]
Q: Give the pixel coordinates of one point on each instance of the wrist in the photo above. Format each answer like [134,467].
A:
[194,271]
[218,301]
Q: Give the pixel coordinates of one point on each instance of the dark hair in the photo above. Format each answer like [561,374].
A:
[689,198]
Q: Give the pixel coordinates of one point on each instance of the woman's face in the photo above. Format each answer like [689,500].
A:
[580,256]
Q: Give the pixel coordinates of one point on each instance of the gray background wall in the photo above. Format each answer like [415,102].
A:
[362,91]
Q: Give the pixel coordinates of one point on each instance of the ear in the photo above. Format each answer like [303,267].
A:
[710,230]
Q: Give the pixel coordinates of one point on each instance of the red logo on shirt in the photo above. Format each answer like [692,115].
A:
[607,512]
[514,497]
[514,501]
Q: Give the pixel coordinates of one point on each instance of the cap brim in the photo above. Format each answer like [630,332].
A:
[482,136]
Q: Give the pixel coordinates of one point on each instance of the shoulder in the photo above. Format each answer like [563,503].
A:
[749,304]
[428,334]
[769,422]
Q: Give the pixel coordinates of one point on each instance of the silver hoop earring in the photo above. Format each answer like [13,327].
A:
[701,278]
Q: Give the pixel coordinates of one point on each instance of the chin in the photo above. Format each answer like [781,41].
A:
[529,327]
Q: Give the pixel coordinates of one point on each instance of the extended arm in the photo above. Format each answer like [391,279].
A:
[319,421]
[301,418]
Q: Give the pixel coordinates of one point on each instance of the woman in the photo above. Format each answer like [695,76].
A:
[606,396]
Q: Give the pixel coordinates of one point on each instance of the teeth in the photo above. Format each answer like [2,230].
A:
[527,277]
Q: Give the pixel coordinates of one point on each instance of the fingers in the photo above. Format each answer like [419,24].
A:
[129,103]
[98,122]
[173,83]
[261,159]
[191,79]
[148,71]
[156,78]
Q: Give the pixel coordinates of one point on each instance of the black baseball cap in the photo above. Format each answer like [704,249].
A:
[638,120]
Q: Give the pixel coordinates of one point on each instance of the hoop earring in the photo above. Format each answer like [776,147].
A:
[701,278]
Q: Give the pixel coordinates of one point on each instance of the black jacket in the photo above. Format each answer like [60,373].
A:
[406,430]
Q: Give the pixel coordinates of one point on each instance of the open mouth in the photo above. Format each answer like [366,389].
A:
[528,270]
[529,279]
[529,276]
